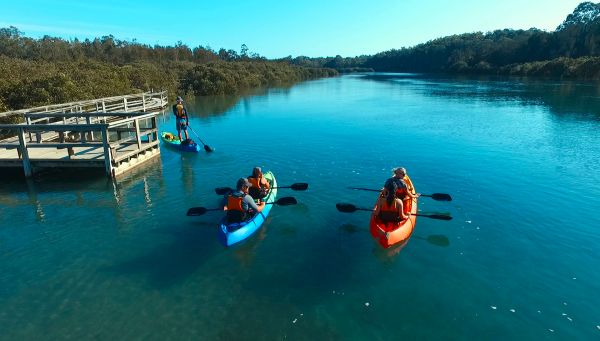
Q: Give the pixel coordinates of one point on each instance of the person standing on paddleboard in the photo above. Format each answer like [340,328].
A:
[182,120]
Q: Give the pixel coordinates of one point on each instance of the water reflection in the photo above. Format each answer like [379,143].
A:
[170,264]
[562,98]
[210,106]
[87,190]
[388,255]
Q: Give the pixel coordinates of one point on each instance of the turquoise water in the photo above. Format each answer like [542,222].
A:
[83,257]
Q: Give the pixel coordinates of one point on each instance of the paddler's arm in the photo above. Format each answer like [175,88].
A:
[376,210]
[248,199]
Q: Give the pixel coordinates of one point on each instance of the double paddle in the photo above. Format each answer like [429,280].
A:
[300,186]
[434,196]
[350,208]
[206,147]
[285,201]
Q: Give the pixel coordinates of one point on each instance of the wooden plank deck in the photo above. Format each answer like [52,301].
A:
[114,141]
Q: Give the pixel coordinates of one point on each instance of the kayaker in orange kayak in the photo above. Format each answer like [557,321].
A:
[239,205]
[260,185]
[389,208]
[397,178]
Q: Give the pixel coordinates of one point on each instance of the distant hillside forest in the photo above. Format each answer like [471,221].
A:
[571,52]
[49,70]
[35,72]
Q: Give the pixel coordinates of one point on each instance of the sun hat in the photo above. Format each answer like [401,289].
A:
[242,182]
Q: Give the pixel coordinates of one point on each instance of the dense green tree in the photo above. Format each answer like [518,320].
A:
[52,70]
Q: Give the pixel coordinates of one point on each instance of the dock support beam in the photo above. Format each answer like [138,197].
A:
[107,153]
[24,153]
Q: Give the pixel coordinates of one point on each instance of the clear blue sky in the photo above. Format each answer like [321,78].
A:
[277,28]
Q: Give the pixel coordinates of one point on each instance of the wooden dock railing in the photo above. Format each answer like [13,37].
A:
[108,139]
[116,133]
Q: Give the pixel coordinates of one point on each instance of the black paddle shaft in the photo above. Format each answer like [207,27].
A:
[350,208]
[285,201]
[434,196]
[301,186]
[206,147]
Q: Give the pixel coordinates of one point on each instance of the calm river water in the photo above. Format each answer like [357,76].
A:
[85,258]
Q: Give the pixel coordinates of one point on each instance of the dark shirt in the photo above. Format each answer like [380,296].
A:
[398,181]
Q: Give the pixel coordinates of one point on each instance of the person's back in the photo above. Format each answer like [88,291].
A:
[239,205]
[181,118]
[389,211]
[260,185]
[389,208]
[179,110]
[236,207]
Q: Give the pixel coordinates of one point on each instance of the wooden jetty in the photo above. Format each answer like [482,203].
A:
[115,134]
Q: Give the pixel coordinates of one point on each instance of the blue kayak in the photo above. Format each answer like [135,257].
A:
[173,141]
[233,233]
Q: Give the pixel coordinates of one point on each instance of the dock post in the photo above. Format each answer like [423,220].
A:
[24,153]
[137,133]
[90,134]
[107,154]
[28,122]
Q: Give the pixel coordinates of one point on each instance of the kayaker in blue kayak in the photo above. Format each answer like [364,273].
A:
[239,204]
[181,119]
[260,185]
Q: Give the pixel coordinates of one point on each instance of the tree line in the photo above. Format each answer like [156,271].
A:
[35,72]
[572,52]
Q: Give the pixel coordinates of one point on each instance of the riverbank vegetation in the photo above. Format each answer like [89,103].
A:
[35,72]
[572,51]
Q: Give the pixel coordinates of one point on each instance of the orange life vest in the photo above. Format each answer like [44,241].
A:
[256,182]
[234,203]
[388,208]
[388,213]
[180,112]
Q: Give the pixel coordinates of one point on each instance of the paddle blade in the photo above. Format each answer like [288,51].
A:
[194,211]
[441,197]
[346,208]
[285,201]
[301,186]
[223,190]
[435,216]
[207,148]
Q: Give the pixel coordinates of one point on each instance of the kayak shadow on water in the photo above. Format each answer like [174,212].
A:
[168,265]
[435,239]
[351,228]
[386,254]
[245,252]
[389,253]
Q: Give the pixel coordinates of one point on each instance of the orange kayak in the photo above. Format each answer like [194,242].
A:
[393,233]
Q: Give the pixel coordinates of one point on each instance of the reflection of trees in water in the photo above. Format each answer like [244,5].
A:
[206,106]
[561,97]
